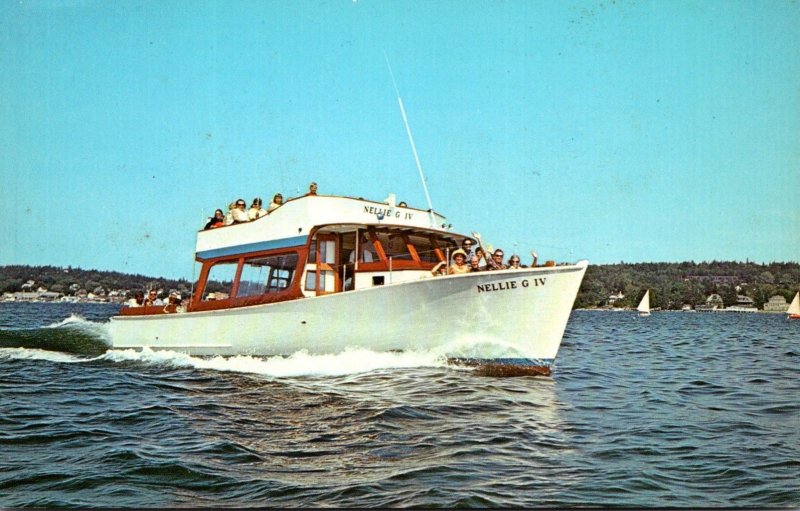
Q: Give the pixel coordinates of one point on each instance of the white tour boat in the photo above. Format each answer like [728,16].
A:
[289,281]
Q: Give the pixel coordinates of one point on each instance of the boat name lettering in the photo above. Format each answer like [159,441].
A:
[384,212]
[510,284]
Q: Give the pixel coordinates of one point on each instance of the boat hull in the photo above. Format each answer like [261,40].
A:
[506,318]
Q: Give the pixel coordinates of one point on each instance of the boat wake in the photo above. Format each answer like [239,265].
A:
[353,361]
[301,363]
[72,335]
[76,340]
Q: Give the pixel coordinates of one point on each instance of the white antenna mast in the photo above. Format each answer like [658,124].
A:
[411,139]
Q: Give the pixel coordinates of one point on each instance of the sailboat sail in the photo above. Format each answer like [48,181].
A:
[794,307]
[644,305]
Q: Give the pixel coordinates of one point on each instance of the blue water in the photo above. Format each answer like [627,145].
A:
[676,409]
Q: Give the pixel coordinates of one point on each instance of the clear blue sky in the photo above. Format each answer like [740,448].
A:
[607,130]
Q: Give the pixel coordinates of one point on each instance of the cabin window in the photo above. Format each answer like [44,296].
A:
[424,248]
[327,255]
[311,280]
[395,246]
[312,252]
[263,275]
[220,281]
[327,252]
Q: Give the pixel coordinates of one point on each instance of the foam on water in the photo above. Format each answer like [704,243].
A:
[301,363]
[78,322]
[37,354]
[470,345]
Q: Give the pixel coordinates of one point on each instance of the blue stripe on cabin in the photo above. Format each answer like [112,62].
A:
[252,247]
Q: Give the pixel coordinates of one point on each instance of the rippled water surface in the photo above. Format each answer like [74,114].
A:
[677,409]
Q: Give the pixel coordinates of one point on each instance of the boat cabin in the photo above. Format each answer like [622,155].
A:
[311,246]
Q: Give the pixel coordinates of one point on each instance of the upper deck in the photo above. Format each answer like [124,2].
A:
[290,224]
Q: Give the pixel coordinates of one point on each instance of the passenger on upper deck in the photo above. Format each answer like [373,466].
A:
[229,214]
[256,211]
[312,189]
[402,204]
[238,214]
[277,201]
[218,220]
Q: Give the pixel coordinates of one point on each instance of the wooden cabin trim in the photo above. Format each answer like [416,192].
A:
[373,236]
[436,248]
[411,248]
[231,303]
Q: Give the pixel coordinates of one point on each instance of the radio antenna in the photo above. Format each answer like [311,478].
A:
[411,139]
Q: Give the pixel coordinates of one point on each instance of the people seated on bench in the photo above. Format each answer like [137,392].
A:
[237,213]
[218,220]
[256,211]
[277,201]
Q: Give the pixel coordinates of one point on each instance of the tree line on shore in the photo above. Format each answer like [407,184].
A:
[69,281]
[672,284]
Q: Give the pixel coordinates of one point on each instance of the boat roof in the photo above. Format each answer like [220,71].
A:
[292,222]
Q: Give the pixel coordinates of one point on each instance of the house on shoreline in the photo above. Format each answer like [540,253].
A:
[776,303]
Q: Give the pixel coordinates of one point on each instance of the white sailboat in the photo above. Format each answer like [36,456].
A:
[794,308]
[644,305]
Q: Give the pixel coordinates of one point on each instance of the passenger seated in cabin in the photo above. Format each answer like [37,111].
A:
[475,263]
[312,189]
[367,255]
[496,261]
[513,262]
[153,299]
[174,303]
[256,211]
[137,300]
[277,201]
[238,214]
[218,220]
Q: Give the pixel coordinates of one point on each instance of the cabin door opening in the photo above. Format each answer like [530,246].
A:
[347,254]
[327,278]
